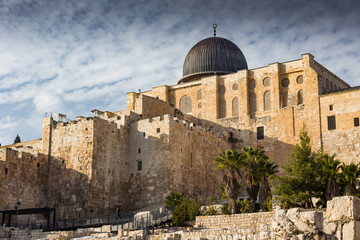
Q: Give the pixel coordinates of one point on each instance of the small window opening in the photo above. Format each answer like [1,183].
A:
[139,150]
[139,165]
[6,171]
[260,133]
[143,134]
[331,123]
[356,122]
[38,165]
[158,130]
[331,107]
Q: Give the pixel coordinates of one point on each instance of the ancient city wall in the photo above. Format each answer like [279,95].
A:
[23,178]
[344,140]
[70,149]
[109,179]
[192,152]
[148,175]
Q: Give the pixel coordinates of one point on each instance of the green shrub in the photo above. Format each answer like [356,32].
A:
[187,210]
[173,200]
[211,210]
[268,203]
[246,206]
[225,210]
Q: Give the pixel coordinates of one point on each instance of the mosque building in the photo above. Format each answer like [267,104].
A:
[167,138]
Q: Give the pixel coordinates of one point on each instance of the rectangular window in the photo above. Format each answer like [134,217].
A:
[139,165]
[260,133]
[139,150]
[331,107]
[331,123]
[356,122]
[158,130]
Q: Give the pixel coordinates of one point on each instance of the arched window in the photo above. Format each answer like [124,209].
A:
[222,108]
[327,83]
[267,101]
[284,99]
[300,97]
[253,104]
[185,104]
[331,86]
[235,106]
[199,95]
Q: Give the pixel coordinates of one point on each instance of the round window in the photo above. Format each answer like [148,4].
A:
[300,79]
[252,84]
[285,82]
[266,82]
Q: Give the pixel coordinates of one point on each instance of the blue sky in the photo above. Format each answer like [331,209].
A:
[72,56]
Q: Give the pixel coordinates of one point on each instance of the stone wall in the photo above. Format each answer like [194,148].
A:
[23,178]
[148,156]
[193,149]
[69,146]
[245,220]
[109,181]
[149,107]
[344,141]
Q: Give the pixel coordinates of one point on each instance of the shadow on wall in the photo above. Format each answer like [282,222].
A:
[180,158]
[35,183]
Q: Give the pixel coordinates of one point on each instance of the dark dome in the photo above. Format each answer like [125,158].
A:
[213,55]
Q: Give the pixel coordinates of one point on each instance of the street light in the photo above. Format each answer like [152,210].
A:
[17,212]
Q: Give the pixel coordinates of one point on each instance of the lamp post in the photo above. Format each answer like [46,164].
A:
[17,212]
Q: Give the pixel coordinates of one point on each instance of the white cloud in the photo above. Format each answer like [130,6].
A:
[74,56]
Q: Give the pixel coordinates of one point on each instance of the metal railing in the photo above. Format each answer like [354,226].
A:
[125,220]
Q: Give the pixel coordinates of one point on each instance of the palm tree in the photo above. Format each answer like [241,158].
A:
[252,156]
[349,174]
[266,170]
[329,171]
[230,163]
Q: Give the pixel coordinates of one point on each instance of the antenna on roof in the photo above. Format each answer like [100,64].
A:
[214,26]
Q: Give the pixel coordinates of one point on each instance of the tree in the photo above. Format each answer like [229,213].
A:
[348,176]
[266,170]
[174,200]
[301,181]
[252,158]
[329,174]
[230,163]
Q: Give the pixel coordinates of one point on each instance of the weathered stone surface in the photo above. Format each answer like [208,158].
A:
[346,208]
[351,230]
[329,228]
